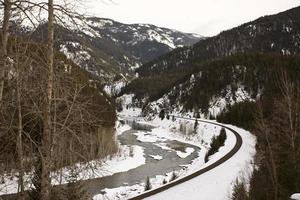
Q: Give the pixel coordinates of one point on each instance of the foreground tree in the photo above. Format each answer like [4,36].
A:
[5,35]
[45,144]
[279,143]
[41,102]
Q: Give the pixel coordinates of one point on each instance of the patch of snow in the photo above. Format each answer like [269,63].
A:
[296,196]
[128,157]
[156,157]
[154,35]
[272,45]
[99,23]
[217,104]
[285,52]
[114,88]
[145,138]
[188,151]
[217,183]
[79,56]
[123,192]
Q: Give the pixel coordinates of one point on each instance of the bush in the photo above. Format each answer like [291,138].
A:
[164,182]
[75,189]
[147,184]
[215,144]
[240,114]
[239,192]
[162,114]
[173,177]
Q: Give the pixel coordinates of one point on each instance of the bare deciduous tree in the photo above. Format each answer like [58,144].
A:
[5,34]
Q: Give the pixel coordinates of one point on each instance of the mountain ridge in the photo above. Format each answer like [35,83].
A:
[108,48]
[210,75]
[277,33]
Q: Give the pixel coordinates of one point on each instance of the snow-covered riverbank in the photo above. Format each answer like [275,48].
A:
[127,157]
[216,184]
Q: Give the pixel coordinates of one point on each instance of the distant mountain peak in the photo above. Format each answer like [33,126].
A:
[107,48]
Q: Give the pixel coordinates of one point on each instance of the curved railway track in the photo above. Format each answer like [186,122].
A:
[222,160]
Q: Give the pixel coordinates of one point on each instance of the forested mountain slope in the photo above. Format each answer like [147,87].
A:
[278,33]
[108,48]
[233,66]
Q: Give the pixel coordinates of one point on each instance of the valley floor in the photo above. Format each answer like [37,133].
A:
[216,184]
[168,135]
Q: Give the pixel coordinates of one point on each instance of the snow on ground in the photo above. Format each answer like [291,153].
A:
[183,131]
[80,56]
[215,184]
[122,128]
[188,151]
[218,183]
[142,137]
[296,196]
[156,157]
[114,88]
[218,103]
[127,158]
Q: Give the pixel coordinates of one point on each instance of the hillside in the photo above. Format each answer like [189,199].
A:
[276,33]
[108,48]
[233,66]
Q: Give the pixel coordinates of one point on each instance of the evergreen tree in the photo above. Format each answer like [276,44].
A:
[215,144]
[162,114]
[148,184]
[196,126]
[239,192]
[173,118]
[174,176]
[168,117]
[75,189]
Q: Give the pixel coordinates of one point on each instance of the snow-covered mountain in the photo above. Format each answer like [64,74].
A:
[279,33]
[236,65]
[109,48]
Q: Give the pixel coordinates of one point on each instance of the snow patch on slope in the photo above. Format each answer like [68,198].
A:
[79,56]
[218,103]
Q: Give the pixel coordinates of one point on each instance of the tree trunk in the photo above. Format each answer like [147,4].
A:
[19,139]
[273,166]
[5,35]
[46,137]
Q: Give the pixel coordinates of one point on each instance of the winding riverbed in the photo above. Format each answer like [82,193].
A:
[169,162]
